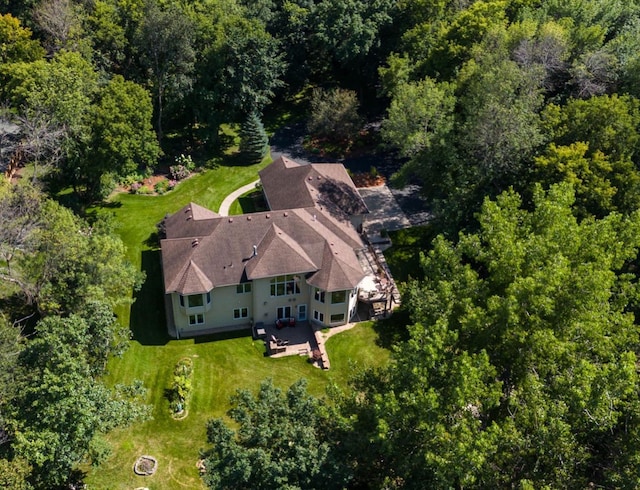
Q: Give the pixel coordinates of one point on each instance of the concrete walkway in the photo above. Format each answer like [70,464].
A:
[228,201]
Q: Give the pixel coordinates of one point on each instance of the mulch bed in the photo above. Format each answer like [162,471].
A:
[367,180]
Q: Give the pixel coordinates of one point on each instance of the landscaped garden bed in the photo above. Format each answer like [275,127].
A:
[180,390]
[368,179]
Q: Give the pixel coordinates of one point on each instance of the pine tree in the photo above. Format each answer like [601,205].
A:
[254,143]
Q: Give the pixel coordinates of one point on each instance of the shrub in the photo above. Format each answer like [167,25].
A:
[108,183]
[186,161]
[131,179]
[161,187]
[179,172]
[135,188]
[181,387]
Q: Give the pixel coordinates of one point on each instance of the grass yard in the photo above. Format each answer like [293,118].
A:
[251,202]
[222,363]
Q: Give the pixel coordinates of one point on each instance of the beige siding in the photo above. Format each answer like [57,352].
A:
[219,314]
[266,306]
[261,307]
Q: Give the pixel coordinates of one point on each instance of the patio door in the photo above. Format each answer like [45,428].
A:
[302,313]
[284,312]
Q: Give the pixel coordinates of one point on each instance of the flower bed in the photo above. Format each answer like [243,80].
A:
[180,390]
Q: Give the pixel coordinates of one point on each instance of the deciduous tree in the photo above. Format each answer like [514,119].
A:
[521,363]
[278,444]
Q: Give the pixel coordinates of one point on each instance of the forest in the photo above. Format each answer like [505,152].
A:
[514,357]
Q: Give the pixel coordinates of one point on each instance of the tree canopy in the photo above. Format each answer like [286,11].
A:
[520,368]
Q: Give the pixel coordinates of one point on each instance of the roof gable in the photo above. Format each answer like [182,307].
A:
[335,274]
[191,280]
[278,253]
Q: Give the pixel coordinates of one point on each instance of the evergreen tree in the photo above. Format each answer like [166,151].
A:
[254,142]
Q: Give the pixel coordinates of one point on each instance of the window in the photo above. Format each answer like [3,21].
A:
[319,295]
[196,319]
[318,316]
[338,317]
[239,313]
[284,312]
[182,301]
[195,300]
[208,298]
[338,297]
[243,288]
[285,285]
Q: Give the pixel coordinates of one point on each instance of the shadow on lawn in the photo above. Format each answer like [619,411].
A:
[237,334]
[148,322]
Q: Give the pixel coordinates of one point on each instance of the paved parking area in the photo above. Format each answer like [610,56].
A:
[384,211]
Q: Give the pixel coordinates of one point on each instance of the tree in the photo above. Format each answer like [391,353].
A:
[16,41]
[520,367]
[278,444]
[164,41]
[359,53]
[59,21]
[254,142]
[239,73]
[123,137]
[608,123]
[601,185]
[419,114]
[60,408]
[60,263]
[42,141]
[334,114]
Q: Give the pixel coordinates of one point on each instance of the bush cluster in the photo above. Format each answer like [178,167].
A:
[181,388]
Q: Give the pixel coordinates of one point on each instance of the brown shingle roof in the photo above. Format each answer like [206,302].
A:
[287,184]
[335,274]
[307,231]
[289,241]
[191,221]
[278,252]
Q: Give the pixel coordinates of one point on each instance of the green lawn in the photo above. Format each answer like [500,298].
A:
[251,202]
[221,364]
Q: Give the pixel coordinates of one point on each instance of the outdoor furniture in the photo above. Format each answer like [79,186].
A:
[277,345]
[285,322]
[279,342]
[259,332]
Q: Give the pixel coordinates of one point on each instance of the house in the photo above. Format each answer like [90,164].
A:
[298,261]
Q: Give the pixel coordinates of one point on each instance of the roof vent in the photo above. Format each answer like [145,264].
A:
[248,218]
[195,242]
[230,220]
[267,216]
[255,251]
[286,214]
[189,217]
[314,217]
